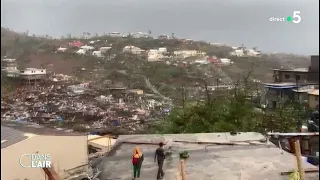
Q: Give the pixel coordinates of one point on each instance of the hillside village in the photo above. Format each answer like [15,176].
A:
[106,94]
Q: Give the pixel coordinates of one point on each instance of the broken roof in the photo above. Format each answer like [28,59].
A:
[8,60]
[34,129]
[223,162]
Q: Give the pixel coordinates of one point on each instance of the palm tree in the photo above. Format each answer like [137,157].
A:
[149,33]
[172,35]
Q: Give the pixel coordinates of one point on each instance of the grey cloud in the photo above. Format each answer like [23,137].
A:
[226,21]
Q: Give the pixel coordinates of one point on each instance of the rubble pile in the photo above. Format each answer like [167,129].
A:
[62,106]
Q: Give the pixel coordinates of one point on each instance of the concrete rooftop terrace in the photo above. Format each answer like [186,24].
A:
[33,128]
[250,158]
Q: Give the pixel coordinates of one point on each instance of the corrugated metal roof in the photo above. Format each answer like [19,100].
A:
[10,136]
[280,85]
[295,134]
[292,70]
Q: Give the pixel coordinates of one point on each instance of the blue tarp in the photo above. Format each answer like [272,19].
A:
[93,133]
[115,122]
[280,87]
[20,120]
[59,118]
[283,86]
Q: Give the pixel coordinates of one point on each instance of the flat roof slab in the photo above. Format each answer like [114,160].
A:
[219,162]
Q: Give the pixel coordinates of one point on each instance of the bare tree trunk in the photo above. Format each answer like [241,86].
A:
[183,97]
[207,91]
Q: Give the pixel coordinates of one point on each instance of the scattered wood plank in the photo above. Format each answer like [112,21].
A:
[299,159]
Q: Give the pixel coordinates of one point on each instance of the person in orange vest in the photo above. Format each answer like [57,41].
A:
[137,159]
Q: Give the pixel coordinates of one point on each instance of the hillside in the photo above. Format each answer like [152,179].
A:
[262,65]
[33,51]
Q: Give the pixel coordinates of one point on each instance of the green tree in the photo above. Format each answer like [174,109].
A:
[232,111]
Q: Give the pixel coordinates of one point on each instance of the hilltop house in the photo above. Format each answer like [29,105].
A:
[115,34]
[188,53]
[162,50]
[9,67]
[76,44]
[252,53]
[87,48]
[97,54]
[225,61]
[61,49]
[104,49]
[163,37]
[81,51]
[33,74]
[139,35]
[237,52]
[157,54]
[133,50]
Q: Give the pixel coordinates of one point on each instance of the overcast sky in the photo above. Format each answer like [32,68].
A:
[225,21]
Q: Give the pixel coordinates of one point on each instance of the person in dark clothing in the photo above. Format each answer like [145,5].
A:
[137,159]
[159,156]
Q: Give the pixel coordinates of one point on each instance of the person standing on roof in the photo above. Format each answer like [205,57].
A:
[137,159]
[160,156]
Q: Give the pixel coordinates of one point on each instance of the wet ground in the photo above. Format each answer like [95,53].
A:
[119,166]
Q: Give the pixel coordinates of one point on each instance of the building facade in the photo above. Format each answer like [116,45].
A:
[291,85]
[314,69]
[33,74]
[188,53]
[9,67]
[313,99]
[67,153]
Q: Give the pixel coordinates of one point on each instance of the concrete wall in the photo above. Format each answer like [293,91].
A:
[314,145]
[314,64]
[301,97]
[66,152]
[275,96]
[313,101]
[32,71]
[314,69]
[33,77]
[292,77]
